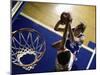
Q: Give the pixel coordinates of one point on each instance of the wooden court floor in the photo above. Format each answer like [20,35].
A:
[48,14]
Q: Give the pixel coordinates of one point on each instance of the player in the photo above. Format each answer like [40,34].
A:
[65,57]
[75,38]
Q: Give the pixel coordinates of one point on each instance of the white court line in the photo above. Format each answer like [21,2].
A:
[47,27]
[89,49]
[15,8]
[41,24]
[90,61]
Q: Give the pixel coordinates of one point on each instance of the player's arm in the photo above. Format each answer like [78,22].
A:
[71,35]
[57,27]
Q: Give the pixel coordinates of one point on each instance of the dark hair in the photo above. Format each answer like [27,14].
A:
[65,17]
[64,57]
[82,27]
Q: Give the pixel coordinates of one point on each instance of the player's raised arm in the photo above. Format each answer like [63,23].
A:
[65,19]
[57,28]
[71,35]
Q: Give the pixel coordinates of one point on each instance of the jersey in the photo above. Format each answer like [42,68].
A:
[75,46]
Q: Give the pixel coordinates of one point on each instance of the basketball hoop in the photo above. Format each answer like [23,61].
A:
[28,47]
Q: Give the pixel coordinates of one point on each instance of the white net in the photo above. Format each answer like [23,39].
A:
[28,48]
